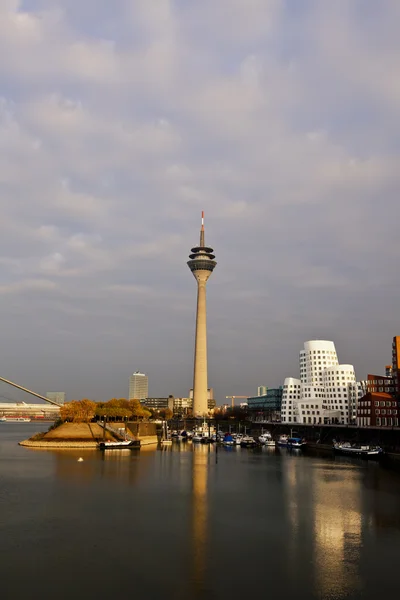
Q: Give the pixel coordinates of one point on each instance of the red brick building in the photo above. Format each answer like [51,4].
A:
[378,409]
[396,363]
[380,383]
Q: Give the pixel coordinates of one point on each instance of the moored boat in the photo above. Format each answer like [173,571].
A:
[247,442]
[266,439]
[296,442]
[5,419]
[283,440]
[166,438]
[359,450]
[119,444]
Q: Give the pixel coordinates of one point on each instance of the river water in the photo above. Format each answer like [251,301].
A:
[190,522]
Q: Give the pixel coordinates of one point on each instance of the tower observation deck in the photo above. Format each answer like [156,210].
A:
[201,264]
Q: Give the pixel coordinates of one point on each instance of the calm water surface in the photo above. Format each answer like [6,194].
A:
[190,522]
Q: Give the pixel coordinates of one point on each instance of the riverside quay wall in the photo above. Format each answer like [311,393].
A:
[388,437]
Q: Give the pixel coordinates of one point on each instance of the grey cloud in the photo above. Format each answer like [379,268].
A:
[116,131]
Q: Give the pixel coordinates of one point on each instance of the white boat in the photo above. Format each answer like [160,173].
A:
[166,442]
[361,450]
[15,420]
[247,442]
[119,444]
[204,433]
[166,439]
[283,440]
[266,439]
[296,442]
[238,438]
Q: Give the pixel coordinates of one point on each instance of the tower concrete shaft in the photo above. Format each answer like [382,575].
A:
[201,264]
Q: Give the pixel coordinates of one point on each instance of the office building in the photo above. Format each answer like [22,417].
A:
[326,392]
[266,407]
[262,390]
[59,397]
[201,264]
[158,403]
[378,409]
[380,383]
[182,406]
[396,363]
[138,386]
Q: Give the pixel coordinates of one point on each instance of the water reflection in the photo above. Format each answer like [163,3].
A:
[324,507]
[124,466]
[201,454]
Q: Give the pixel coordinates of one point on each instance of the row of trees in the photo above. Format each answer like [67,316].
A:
[83,411]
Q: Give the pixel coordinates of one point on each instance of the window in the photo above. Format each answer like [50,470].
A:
[378,422]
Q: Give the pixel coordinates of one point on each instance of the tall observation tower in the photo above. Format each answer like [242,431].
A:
[201,264]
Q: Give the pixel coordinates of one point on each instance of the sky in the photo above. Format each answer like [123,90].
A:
[121,121]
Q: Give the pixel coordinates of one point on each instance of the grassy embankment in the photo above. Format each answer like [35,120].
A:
[69,435]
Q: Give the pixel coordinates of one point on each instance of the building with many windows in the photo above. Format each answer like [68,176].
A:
[378,409]
[138,386]
[396,364]
[158,403]
[380,383]
[327,392]
[266,407]
[183,405]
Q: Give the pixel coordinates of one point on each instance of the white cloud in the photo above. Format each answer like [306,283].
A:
[115,132]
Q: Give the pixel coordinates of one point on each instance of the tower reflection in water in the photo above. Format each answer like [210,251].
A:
[325,513]
[201,457]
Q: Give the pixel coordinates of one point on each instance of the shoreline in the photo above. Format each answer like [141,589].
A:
[90,445]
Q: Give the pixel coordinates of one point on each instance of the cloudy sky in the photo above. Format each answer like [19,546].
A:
[120,121]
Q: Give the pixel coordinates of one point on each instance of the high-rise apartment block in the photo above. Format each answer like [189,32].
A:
[327,392]
[396,363]
[138,386]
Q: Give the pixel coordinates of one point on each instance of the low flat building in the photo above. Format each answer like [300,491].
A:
[36,411]
[266,407]
[184,405]
[158,403]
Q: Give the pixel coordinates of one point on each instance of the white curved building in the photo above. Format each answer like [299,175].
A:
[326,391]
[291,395]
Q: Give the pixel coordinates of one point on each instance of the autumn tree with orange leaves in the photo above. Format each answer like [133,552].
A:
[78,411]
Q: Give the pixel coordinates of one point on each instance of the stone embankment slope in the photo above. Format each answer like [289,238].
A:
[69,435]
